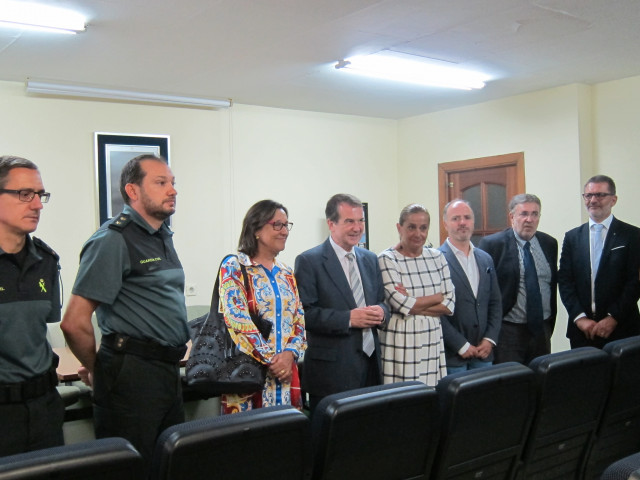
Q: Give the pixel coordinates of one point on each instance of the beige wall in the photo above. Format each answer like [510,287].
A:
[616,107]
[544,125]
[226,160]
[567,134]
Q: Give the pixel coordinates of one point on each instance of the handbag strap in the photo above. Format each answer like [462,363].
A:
[263,326]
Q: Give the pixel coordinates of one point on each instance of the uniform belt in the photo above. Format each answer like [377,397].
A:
[143,348]
[29,389]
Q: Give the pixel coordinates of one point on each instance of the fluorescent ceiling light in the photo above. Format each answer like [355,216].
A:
[402,67]
[59,89]
[35,16]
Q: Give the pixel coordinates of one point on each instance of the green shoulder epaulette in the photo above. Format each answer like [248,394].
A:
[43,246]
[120,222]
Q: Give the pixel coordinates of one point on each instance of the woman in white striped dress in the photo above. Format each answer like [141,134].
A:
[418,289]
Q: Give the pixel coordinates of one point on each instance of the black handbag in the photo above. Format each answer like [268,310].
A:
[215,366]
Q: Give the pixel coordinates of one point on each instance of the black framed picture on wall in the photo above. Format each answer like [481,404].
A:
[112,152]
[364,240]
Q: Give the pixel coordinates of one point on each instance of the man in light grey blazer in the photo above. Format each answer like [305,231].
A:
[471,332]
[343,299]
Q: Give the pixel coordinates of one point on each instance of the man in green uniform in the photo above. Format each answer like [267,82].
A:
[131,277]
[31,411]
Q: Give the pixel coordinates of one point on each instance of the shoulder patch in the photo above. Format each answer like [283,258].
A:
[120,222]
[43,246]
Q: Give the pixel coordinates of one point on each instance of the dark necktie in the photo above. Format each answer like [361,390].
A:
[534,299]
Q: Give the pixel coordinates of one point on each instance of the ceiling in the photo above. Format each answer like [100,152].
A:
[281,53]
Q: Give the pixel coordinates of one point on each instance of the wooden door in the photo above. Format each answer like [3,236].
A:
[488,184]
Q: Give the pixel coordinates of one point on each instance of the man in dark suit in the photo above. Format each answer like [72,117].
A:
[526,264]
[343,299]
[598,274]
[471,332]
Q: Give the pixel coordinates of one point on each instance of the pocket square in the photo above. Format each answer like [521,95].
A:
[616,248]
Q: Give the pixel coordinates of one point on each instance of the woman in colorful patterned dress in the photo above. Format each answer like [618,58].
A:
[418,289]
[272,296]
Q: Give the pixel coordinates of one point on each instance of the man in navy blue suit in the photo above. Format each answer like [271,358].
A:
[528,310]
[471,332]
[342,293]
[598,274]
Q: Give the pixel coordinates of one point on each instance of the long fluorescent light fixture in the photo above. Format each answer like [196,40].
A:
[36,16]
[59,89]
[403,67]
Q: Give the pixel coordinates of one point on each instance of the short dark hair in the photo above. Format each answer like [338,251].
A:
[603,179]
[132,172]
[412,208]
[456,200]
[523,198]
[331,210]
[257,217]
[9,162]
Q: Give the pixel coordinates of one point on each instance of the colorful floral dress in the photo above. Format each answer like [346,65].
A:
[274,297]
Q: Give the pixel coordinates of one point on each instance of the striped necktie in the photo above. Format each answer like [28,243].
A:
[368,345]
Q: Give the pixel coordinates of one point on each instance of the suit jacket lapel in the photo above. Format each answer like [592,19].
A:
[456,268]
[609,242]
[583,255]
[335,272]
[514,256]
[483,283]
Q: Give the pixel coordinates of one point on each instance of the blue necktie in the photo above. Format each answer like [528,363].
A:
[597,248]
[532,287]
[368,345]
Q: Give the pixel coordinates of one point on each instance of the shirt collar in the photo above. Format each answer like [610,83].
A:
[137,218]
[457,252]
[606,222]
[28,245]
[521,241]
[340,252]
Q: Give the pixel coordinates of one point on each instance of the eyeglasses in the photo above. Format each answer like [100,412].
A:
[277,226]
[533,215]
[28,195]
[599,195]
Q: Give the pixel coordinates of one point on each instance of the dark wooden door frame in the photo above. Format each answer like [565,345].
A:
[446,168]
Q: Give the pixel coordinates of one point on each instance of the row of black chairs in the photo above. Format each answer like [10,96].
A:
[567,415]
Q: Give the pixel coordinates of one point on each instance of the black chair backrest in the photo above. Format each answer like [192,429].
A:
[272,442]
[572,388]
[486,416]
[104,459]
[627,468]
[618,434]
[378,433]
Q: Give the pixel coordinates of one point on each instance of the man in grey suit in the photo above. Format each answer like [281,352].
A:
[528,294]
[343,299]
[471,332]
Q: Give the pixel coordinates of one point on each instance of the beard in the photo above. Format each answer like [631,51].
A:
[159,211]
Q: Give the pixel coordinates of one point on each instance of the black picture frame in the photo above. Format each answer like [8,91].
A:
[364,240]
[112,151]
